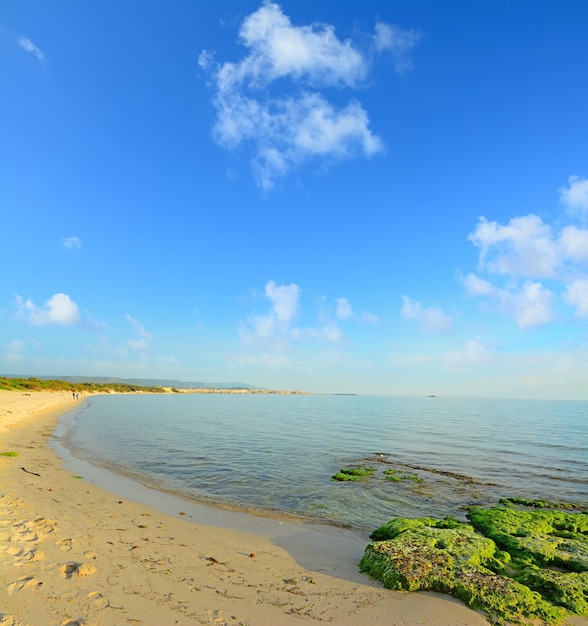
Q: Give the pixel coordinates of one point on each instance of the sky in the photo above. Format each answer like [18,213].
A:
[378,197]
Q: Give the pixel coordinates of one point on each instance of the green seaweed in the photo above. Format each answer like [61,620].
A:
[400,524]
[454,560]
[8,453]
[354,473]
[540,504]
[392,475]
[514,565]
[568,589]
[542,538]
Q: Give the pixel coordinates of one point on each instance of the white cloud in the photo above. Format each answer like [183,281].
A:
[577,295]
[311,53]
[60,309]
[205,59]
[284,299]
[71,243]
[431,319]
[475,286]
[26,44]
[270,100]
[532,305]
[344,310]
[575,195]
[142,344]
[525,247]
[270,336]
[397,42]
[574,243]
[277,323]
[287,132]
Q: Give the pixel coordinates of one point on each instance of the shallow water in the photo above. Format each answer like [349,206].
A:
[277,453]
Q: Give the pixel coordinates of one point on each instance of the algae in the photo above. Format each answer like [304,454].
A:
[540,504]
[392,474]
[502,563]
[568,589]
[8,453]
[543,538]
[357,472]
[400,524]
[454,561]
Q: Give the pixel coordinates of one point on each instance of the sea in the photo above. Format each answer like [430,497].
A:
[275,455]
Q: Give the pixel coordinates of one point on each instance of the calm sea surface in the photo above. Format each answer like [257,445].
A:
[277,454]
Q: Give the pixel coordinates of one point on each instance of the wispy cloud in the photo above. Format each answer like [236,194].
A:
[26,44]
[60,309]
[269,336]
[145,337]
[344,310]
[577,295]
[398,43]
[13,352]
[431,319]
[270,100]
[474,353]
[575,196]
[516,254]
[71,243]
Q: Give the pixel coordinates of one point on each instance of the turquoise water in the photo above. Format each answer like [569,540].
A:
[277,453]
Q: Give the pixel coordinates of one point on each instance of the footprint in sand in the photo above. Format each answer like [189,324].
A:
[29,556]
[26,582]
[4,537]
[45,525]
[64,544]
[26,535]
[81,570]
[99,601]
[218,619]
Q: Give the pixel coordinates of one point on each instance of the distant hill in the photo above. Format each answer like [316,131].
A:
[141,382]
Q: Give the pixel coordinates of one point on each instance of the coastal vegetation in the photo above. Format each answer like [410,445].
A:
[113,386]
[517,564]
[38,384]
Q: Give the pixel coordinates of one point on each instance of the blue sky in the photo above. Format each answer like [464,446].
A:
[375,197]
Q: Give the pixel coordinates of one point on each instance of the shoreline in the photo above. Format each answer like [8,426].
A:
[75,553]
[325,548]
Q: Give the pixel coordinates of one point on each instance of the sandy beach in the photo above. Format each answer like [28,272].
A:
[74,553]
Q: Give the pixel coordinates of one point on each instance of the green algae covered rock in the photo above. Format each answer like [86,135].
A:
[503,573]
[540,504]
[569,589]
[399,524]
[543,537]
[349,474]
